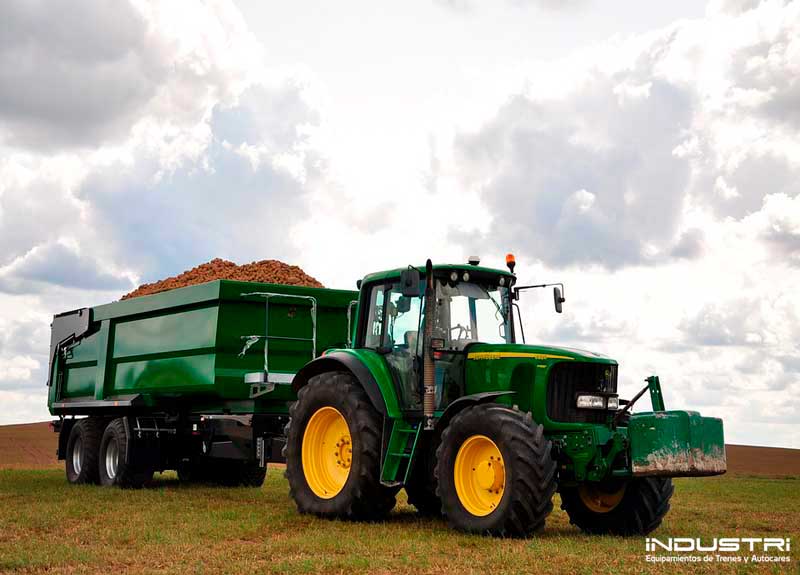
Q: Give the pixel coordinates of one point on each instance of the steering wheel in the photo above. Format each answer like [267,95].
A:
[461,330]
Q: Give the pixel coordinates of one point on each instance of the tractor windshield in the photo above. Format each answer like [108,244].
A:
[469,312]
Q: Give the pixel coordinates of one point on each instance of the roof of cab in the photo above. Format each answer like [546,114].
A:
[395,273]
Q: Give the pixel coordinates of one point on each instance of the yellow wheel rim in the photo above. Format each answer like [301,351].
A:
[327,452]
[598,499]
[480,475]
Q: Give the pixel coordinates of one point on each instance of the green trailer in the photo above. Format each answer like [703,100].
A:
[421,380]
[203,373]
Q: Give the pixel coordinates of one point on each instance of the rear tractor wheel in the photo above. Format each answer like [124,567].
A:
[495,474]
[623,507]
[333,451]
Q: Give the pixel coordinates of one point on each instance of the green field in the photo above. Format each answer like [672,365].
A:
[49,526]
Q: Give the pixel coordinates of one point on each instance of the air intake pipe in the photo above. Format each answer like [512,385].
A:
[428,368]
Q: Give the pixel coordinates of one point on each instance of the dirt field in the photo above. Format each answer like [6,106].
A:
[28,446]
[33,445]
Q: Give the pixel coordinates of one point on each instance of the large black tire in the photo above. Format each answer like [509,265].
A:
[529,471]
[362,496]
[643,505]
[239,473]
[114,469]
[421,484]
[83,448]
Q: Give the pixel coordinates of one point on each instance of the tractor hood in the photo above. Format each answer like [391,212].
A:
[487,351]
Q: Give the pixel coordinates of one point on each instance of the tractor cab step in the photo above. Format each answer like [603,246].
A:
[399,453]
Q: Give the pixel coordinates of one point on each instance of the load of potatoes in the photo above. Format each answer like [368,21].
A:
[265,271]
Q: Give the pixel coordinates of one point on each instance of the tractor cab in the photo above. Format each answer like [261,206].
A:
[470,305]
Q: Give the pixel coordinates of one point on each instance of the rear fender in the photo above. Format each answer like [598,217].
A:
[369,369]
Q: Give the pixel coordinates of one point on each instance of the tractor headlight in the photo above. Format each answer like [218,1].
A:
[613,403]
[591,402]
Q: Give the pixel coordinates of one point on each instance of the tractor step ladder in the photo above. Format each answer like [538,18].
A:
[397,462]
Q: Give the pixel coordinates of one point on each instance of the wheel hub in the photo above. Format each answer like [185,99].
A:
[327,452]
[77,450]
[479,474]
[112,459]
[600,499]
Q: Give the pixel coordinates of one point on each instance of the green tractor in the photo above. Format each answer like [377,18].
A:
[437,396]
[417,381]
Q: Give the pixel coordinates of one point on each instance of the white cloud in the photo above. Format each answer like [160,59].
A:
[655,173]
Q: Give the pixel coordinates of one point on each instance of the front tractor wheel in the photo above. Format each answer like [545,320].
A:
[495,473]
[632,507]
[333,451]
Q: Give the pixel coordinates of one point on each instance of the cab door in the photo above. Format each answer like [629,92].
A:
[394,331]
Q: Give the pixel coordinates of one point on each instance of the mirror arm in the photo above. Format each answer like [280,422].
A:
[561,285]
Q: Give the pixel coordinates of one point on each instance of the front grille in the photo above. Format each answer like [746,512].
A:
[567,379]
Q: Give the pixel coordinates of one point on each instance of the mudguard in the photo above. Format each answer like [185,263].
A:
[371,372]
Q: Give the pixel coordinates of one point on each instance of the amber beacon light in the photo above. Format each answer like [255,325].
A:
[511,262]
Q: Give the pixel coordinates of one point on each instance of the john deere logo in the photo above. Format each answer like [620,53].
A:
[606,381]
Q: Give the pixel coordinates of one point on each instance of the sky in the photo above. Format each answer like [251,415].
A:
[646,155]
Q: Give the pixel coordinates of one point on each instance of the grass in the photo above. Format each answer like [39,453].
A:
[49,526]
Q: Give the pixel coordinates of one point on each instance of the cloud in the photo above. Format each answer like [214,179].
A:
[559,5]
[602,172]
[736,323]
[58,264]
[73,73]
[84,73]
[589,179]
[778,224]
[242,192]
[24,407]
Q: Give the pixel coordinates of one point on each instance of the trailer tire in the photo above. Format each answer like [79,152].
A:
[239,474]
[194,472]
[83,446]
[358,494]
[252,475]
[114,469]
[495,473]
[635,507]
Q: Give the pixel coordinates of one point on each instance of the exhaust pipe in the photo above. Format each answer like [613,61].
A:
[428,369]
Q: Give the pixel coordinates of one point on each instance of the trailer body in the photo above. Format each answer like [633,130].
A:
[182,349]
[215,359]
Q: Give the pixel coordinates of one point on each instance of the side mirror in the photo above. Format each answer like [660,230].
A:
[557,299]
[403,304]
[409,282]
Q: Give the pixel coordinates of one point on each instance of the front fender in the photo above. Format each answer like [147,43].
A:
[466,401]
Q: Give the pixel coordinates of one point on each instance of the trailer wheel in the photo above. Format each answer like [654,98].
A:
[632,507]
[114,469]
[83,446]
[495,474]
[333,451]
